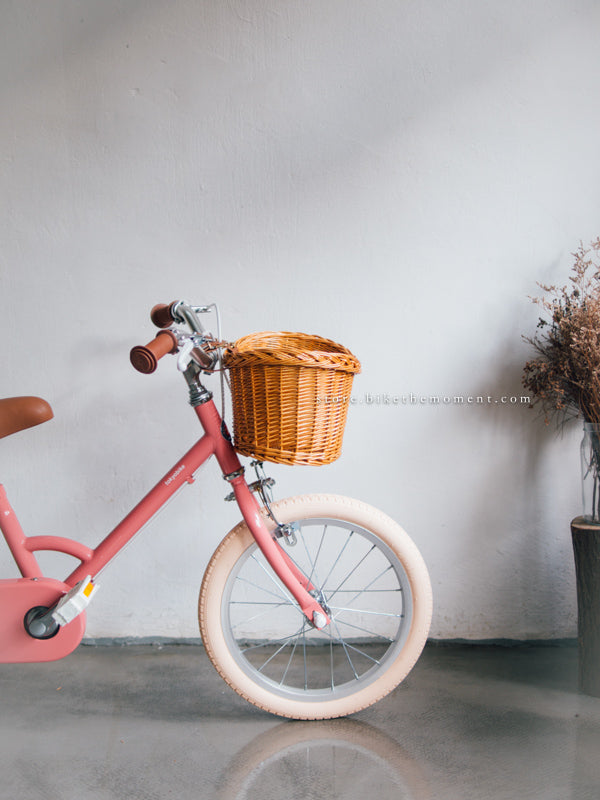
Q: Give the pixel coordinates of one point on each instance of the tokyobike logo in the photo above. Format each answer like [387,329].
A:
[172,477]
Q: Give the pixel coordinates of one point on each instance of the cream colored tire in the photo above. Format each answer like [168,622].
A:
[378,592]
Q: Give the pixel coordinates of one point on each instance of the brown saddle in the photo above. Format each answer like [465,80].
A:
[18,413]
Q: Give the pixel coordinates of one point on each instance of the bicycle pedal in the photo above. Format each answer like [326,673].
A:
[75,601]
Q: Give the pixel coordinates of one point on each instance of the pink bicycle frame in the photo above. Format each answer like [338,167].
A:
[94,560]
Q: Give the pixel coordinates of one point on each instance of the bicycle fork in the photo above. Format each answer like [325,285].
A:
[299,586]
[292,578]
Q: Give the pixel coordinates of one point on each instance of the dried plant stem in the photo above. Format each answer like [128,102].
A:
[564,377]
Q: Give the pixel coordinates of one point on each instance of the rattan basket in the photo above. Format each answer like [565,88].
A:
[290,395]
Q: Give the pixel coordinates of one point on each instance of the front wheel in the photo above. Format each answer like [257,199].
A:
[370,577]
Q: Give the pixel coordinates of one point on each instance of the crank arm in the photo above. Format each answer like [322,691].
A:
[44,623]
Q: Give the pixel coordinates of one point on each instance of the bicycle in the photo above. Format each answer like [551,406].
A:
[312,607]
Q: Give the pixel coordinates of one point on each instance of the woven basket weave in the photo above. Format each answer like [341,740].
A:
[290,395]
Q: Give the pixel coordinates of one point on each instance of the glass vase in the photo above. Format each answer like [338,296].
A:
[590,472]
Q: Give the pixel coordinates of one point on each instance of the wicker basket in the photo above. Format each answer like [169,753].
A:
[290,394]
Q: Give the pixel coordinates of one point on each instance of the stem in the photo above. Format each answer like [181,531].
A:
[595,475]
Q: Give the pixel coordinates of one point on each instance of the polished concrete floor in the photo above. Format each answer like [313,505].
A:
[137,722]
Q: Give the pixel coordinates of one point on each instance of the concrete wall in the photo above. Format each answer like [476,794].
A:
[393,175]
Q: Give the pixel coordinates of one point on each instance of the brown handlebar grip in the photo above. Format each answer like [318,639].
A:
[161,315]
[145,359]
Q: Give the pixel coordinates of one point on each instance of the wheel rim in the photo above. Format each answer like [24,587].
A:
[366,591]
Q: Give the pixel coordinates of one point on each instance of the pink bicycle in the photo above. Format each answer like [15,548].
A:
[311,607]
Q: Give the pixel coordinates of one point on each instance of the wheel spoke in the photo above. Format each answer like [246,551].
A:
[304,656]
[331,664]
[347,646]
[373,634]
[381,574]
[365,611]
[292,653]
[319,550]
[262,589]
[272,579]
[352,571]
[345,566]
[313,565]
[276,653]
[369,591]
[257,603]
[340,554]
[271,607]
[300,569]
[270,642]
[340,638]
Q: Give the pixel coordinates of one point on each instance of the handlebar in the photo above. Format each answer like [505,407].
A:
[162,315]
[145,358]
[193,346]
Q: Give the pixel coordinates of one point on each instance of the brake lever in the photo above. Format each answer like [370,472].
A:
[185,355]
[192,350]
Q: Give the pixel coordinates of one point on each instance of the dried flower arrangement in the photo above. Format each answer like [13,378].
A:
[564,378]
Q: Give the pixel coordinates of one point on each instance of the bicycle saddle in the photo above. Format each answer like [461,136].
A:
[18,413]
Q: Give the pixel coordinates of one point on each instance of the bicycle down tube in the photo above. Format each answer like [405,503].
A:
[94,560]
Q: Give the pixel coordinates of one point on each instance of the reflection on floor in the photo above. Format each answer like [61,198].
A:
[470,722]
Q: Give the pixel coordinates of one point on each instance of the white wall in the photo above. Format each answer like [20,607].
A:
[393,175]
